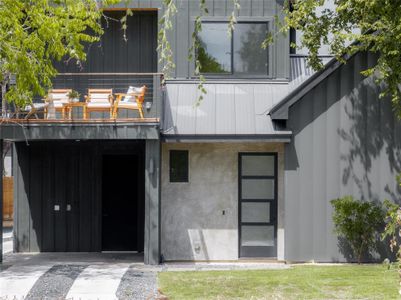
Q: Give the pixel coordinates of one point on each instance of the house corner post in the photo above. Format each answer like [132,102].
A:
[152,203]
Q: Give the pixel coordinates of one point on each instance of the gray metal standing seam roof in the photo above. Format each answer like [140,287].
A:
[235,109]
[226,109]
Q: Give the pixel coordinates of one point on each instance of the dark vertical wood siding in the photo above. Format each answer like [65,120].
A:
[113,54]
[62,173]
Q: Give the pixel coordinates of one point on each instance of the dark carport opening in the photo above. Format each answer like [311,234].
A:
[123,207]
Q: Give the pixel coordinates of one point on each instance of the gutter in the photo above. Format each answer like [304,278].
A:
[284,137]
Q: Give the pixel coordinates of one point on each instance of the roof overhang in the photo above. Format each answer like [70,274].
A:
[280,110]
[284,137]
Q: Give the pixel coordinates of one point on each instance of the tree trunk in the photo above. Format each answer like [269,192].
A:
[3,98]
[6,80]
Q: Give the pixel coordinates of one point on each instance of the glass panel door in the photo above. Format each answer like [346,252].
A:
[258,204]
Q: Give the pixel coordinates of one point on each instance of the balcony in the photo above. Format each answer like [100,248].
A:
[74,112]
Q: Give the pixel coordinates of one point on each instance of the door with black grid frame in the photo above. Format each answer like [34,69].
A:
[257,205]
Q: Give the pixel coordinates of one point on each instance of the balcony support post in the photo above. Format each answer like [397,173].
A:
[152,203]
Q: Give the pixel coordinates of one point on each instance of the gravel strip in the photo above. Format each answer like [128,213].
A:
[55,283]
[138,284]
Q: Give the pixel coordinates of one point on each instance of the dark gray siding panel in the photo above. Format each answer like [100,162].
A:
[44,178]
[345,142]
[60,173]
[113,54]
[152,203]
[77,131]
[35,192]
[180,35]
[183,23]
[22,208]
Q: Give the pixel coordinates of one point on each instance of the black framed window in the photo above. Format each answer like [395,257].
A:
[239,54]
[179,166]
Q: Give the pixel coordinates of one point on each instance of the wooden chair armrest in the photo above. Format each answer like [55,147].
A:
[46,99]
[118,96]
[138,100]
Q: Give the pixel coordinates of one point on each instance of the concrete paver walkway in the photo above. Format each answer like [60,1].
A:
[16,281]
[94,276]
[84,276]
[98,282]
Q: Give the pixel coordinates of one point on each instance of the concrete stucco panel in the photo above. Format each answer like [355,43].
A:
[200,218]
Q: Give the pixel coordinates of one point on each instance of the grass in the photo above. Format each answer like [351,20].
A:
[298,282]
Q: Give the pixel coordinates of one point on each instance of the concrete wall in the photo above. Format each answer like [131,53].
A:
[192,224]
[346,141]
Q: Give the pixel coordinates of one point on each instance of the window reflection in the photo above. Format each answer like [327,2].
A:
[215,51]
[249,56]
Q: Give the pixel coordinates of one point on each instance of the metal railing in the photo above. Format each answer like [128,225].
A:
[118,82]
[300,68]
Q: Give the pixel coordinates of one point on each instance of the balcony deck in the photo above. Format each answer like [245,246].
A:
[127,124]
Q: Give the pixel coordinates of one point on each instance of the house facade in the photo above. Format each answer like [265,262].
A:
[246,172]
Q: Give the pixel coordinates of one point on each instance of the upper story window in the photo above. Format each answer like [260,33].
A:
[239,55]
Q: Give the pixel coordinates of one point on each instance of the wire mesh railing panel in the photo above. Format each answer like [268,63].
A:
[118,82]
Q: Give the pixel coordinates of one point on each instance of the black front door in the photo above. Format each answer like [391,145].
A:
[257,204]
[122,204]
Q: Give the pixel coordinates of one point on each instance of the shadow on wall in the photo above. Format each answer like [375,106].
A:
[367,124]
[168,121]
[361,130]
[372,133]
[381,252]
[373,129]
[198,245]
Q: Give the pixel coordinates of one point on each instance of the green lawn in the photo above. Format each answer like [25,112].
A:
[298,282]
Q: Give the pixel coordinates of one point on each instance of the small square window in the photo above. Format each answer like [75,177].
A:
[178,166]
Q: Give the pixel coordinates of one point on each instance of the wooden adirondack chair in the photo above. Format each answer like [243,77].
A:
[133,100]
[59,97]
[99,100]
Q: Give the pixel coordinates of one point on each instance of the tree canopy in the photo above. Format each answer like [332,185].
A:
[35,33]
[352,26]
